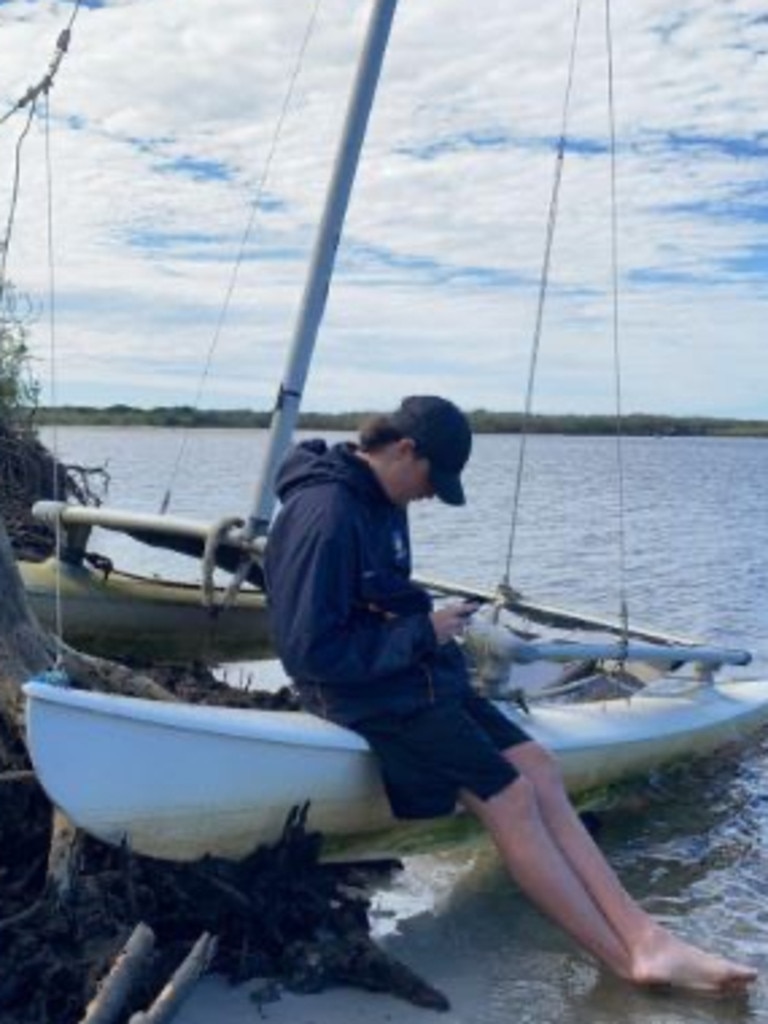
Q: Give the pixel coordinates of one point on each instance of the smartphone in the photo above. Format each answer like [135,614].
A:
[469,608]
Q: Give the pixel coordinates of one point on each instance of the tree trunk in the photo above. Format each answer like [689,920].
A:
[24,649]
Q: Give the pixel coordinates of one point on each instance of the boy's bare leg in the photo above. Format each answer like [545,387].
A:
[538,866]
[654,955]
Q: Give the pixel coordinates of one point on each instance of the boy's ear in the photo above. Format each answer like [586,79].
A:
[408,446]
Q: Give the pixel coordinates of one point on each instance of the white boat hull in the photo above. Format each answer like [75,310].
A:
[123,614]
[179,781]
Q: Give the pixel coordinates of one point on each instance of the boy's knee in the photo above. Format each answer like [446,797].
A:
[517,797]
[537,764]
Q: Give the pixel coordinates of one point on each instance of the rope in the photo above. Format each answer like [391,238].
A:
[216,535]
[621,510]
[505,585]
[237,579]
[255,209]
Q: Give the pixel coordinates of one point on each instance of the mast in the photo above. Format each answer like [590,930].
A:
[286,409]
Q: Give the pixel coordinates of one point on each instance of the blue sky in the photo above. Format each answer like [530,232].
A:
[162,127]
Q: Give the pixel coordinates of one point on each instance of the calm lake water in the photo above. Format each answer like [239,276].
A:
[690,845]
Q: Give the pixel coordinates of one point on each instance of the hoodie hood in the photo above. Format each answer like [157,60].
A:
[313,464]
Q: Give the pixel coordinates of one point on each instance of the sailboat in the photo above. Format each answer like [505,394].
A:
[114,612]
[179,781]
[117,612]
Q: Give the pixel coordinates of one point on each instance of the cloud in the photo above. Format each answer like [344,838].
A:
[162,128]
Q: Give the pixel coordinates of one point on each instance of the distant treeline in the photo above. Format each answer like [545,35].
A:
[483,421]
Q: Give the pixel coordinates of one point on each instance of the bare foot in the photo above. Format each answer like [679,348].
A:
[664,960]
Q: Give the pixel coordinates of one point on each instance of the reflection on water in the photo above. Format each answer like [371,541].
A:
[689,845]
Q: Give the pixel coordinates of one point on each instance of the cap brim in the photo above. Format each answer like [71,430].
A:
[447,486]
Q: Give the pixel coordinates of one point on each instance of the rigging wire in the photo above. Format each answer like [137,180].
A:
[30,99]
[255,210]
[59,617]
[617,376]
[5,242]
[505,585]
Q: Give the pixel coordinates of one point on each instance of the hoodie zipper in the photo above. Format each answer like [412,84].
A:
[430,682]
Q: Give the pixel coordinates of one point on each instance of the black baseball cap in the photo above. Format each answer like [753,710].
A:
[442,435]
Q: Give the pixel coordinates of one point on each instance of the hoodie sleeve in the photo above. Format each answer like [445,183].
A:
[323,632]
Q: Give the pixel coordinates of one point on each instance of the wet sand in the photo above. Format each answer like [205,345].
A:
[215,1001]
[454,918]
[407,919]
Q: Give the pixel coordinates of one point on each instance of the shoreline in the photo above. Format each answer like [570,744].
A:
[483,421]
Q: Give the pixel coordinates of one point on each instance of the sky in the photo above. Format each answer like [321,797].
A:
[183,156]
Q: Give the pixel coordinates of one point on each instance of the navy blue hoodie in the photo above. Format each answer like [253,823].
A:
[350,628]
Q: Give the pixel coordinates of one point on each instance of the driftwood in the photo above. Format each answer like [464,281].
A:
[24,775]
[194,965]
[280,913]
[69,902]
[63,859]
[357,961]
[118,987]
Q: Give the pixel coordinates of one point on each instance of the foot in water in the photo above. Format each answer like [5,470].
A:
[664,960]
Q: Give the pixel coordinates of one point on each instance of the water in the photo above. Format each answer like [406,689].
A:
[696,531]
[691,846]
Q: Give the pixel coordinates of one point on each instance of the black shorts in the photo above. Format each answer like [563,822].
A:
[428,756]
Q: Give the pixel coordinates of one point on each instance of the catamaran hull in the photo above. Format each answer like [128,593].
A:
[123,614]
[178,781]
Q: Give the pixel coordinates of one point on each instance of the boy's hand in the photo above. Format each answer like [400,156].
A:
[450,621]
